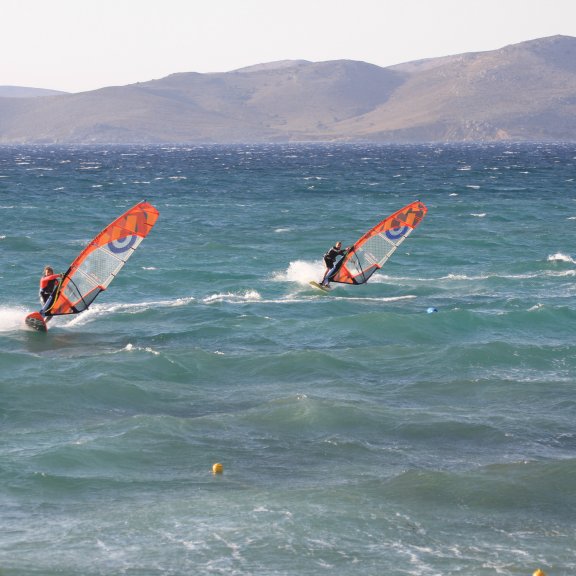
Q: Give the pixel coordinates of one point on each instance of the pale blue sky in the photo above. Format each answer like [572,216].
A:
[77,45]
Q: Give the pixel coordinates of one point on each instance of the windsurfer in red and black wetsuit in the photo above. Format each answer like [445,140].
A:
[48,285]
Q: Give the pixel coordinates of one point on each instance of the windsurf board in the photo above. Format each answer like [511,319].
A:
[36,321]
[319,286]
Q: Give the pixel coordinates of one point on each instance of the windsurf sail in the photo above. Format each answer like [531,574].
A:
[371,251]
[99,263]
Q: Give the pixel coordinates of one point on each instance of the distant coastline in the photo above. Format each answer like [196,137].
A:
[519,93]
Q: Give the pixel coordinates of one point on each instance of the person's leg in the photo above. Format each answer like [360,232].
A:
[46,306]
[329,266]
[329,274]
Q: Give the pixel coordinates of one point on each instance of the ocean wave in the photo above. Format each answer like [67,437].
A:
[99,310]
[526,487]
[560,257]
[301,272]
[12,318]
[130,347]
[231,297]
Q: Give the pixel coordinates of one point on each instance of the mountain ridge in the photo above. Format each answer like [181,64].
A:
[27,92]
[521,92]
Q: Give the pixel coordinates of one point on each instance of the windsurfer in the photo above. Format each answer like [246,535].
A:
[330,261]
[48,285]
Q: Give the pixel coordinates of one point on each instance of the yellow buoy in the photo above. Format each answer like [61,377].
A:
[539,573]
[218,469]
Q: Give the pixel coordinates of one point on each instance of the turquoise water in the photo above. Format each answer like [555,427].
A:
[359,434]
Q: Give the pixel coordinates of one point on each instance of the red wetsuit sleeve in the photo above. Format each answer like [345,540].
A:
[46,279]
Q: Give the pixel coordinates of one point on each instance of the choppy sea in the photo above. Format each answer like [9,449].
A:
[360,432]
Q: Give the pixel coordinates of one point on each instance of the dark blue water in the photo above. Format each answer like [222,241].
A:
[359,434]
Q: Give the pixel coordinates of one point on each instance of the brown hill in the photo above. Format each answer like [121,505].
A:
[525,91]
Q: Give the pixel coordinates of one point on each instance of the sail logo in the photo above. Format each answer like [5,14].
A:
[395,233]
[122,244]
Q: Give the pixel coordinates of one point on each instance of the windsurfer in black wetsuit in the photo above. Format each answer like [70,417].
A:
[48,285]
[330,259]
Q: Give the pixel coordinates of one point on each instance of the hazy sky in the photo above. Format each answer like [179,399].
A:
[77,45]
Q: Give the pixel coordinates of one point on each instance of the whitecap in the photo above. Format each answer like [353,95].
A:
[300,271]
[559,257]
[562,273]
[130,348]
[381,298]
[100,310]
[12,318]
[462,277]
[247,296]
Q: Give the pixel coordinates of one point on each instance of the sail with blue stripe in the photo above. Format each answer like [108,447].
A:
[374,248]
[99,263]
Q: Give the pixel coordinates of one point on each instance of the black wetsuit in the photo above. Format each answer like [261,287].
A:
[331,255]
[329,260]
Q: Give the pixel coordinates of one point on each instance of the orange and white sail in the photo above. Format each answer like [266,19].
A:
[372,250]
[99,263]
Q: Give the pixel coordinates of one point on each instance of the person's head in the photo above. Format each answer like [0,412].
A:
[338,245]
[48,271]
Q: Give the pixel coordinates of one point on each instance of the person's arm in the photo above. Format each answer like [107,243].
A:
[45,280]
